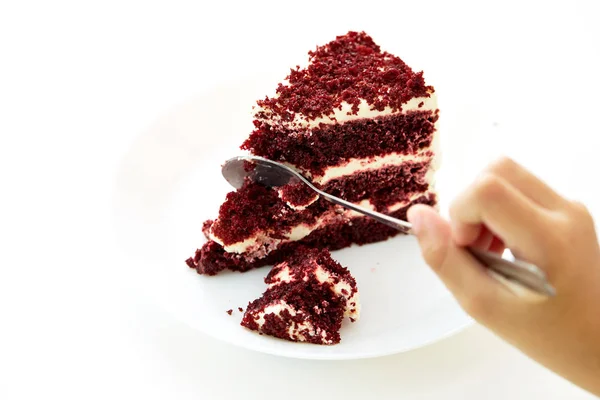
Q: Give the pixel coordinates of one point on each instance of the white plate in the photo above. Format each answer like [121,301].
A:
[170,183]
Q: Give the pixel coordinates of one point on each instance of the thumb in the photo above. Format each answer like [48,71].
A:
[432,231]
[476,291]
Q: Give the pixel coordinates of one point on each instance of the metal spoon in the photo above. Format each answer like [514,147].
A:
[274,174]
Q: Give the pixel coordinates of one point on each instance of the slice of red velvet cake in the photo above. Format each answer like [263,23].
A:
[358,122]
[306,299]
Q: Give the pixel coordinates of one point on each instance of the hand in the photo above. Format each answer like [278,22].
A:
[509,207]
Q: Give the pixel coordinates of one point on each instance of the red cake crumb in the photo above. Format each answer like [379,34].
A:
[348,69]
[240,309]
[206,228]
[253,208]
[297,195]
[298,305]
[229,312]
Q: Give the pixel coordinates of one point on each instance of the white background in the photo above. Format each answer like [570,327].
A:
[80,80]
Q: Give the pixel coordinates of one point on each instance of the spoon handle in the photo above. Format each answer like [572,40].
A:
[517,271]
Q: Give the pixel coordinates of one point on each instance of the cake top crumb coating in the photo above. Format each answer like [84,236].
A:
[351,69]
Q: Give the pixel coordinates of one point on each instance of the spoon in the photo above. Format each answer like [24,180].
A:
[273,174]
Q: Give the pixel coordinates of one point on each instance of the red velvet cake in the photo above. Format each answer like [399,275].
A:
[307,297]
[361,125]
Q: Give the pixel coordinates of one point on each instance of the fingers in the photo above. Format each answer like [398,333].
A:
[527,183]
[484,240]
[514,218]
[477,292]
[497,246]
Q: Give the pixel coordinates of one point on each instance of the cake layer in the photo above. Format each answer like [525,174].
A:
[256,220]
[344,113]
[314,151]
[384,180]
[212,258]
[254,208]
[266,241]
[358,165]
[384,187]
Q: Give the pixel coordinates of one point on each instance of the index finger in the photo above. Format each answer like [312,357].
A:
[527,183]
[491,201]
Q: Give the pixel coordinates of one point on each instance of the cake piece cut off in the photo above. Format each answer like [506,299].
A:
[361,125]
[307,297]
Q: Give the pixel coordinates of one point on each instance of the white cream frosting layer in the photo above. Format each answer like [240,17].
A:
[261,244]
[344,112]
[355,165]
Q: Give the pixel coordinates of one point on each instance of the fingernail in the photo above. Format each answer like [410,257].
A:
[415,218]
